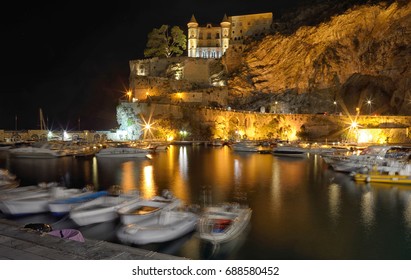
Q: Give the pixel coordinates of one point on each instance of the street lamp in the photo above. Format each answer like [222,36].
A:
[129,95]
[183,134]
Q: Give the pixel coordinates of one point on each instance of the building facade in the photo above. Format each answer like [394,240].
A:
[212,41]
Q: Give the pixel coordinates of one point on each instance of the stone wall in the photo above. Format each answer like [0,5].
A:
[225,123]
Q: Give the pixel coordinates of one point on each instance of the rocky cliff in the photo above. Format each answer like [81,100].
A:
[360,59]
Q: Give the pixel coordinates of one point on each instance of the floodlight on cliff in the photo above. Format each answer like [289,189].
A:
[369,106]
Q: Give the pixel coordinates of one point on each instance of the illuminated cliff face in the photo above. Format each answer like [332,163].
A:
[360,55]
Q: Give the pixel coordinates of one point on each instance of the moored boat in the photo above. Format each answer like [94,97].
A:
[289,151]
[36,151]
[219,224]
[102,209]
[138,211]
[382,178]
[122,152]
[169,225]
[382,158]
[33,199]
[59,207]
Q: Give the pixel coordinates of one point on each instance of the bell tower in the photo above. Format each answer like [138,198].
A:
[192,37]
[225,34]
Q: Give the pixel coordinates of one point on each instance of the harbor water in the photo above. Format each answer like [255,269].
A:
[301,208]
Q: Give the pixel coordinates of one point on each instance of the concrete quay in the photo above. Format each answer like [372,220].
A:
[17,243]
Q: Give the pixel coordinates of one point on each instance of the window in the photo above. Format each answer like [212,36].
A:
[217,36]
[208,35]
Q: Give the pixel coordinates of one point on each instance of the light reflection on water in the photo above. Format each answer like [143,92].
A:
[301,209]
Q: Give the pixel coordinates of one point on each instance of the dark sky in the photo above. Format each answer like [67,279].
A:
[71,58]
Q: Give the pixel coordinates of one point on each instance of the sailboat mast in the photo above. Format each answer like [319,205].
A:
[42,122]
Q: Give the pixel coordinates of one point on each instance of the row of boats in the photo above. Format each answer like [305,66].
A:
[375,163]
[265,148]
[158,219]
[57,149]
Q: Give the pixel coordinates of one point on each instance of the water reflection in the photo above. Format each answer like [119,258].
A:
[334,194]
[301,209]
[367,209]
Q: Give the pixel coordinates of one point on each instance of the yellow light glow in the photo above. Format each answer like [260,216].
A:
[354,124]
[364,136]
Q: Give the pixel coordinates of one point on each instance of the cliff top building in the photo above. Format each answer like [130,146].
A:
[212,41]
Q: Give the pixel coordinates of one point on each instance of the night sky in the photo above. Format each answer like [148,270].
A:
[71,58]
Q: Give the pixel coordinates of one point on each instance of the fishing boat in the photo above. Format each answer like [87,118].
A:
[138,211]
[102,209]
[169,225]
[219,224]
[59,207]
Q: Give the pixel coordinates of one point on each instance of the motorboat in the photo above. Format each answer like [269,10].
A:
[33,199]
[102,209]
[289,151]
[223,223]
[169,225]
[382,158]
[140,210]
[36,151]
[248,146]
[62,206]
[122,152]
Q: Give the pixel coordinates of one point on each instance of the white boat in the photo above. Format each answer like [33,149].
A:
[62,206]
[102,209]
[290,151]
[141,210]
[122,152]
[43,151]
[33,199]
[248,147]
[219,224]
[169,225]
[381,158]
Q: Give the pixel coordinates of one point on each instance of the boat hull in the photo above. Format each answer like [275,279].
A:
[103,209]
[219,225]
[382,178]
[168,226]
[61,207]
